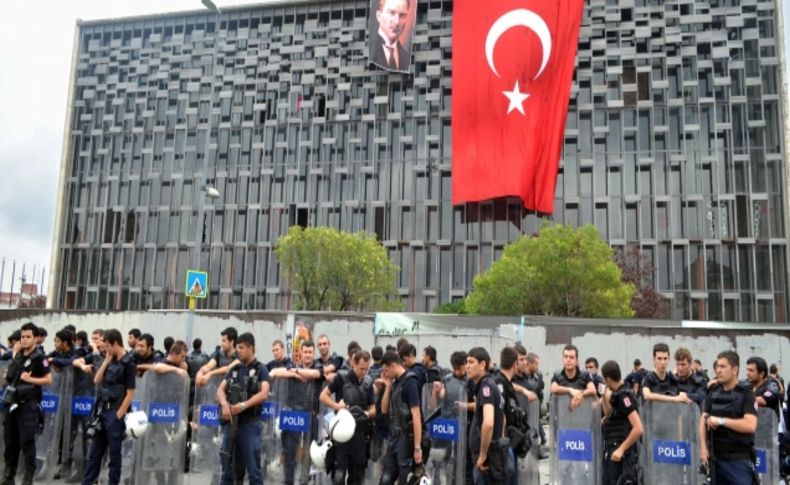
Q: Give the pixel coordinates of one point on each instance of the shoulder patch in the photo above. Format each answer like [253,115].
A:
[768,393]
[627,401]
[486,391]
[45,362]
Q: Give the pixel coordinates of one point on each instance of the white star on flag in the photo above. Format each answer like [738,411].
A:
[516,98]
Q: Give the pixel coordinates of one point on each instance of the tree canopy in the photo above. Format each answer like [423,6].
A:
[331,270]
[561,272]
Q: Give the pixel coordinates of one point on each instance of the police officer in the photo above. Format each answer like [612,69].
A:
[27,372]
[689,381]
[241,395]
[408,357]
[489,417]
[116,378]
[146,357]
[766,390]
[728,424]
[571,380]
[307,377]
[280,360]
[401,403]
[433,372]
[221,359]
[353,390]
[659,384]
[622,429]
[61,359]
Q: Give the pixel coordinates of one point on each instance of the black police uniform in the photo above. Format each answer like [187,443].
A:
[302,396]
[23,415]
[119,376]
[242,444]
[223,360]
[153,358]
[616,429]
[405,394]
[433,373]
[486,392]
[419,370]
[668,386]
[62,361]
[732,453]
[535,384]
[358,397]
[695,386]
[769,391]
[283,363]
[578,382]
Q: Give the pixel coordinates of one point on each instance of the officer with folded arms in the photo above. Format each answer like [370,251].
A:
[241,395]
[116,379]
[353,390]
[728,424]
[27,372]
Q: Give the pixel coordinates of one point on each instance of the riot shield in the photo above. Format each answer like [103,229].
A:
[272,446]
[161,451]
[766,445]
[204,458]
[3,369]
[529,467]
[49,442]
[325,415]
[576,434]
[671,443]
[129,447]
[444,412]
[74,448]
[298,428]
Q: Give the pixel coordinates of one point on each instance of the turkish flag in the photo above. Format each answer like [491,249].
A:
[513,63]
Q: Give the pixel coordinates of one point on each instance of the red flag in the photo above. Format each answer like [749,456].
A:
[513,63]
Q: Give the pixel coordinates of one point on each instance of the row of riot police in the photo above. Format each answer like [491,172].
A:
[378,418]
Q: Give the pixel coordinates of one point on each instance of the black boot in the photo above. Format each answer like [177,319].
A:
[8,476]
[27,478]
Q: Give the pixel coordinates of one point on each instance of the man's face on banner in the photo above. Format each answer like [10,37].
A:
[391,16]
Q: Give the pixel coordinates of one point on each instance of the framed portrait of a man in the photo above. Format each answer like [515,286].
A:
[391,34]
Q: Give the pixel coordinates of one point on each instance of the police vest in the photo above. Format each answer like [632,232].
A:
[729,404]
[773,387]
[301,395]
[691,384]
[243,384]
[113,387]
[356,393]
[667,387]
[399,412]
[617,426]
[20,364]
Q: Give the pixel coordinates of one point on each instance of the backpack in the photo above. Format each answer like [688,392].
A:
[195,362]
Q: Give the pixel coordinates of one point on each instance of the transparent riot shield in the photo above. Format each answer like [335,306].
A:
[766,444]
[204,458]
[50,440]
[671,443]
[325,415]
[3,369]
[74,448]
[529,467]
[444,412]
[161,450]
[298,428]
[576,434]
[272,459]
[376,447]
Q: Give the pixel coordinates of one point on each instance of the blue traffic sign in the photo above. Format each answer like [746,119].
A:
[197,284]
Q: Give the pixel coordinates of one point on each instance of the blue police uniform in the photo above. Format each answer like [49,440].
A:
[21,421]
[243,444]
[358,397]
[732,452]
[405,394]
[119,376]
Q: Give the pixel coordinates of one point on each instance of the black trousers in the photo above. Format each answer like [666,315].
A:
[20,437]
[623,472]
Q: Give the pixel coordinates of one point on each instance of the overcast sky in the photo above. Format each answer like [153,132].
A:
[36,40]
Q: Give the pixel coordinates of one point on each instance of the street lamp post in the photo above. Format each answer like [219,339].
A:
[205,191]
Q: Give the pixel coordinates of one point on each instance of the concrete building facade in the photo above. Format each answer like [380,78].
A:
[674,143]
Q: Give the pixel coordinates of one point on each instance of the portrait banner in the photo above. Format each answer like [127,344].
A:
[391,34]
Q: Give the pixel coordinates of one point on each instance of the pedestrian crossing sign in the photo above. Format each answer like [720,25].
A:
[197,284]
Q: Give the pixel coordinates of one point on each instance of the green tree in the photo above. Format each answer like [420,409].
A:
[561,272]
[337,271]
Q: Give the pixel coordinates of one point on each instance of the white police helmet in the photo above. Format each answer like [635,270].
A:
[342,426]
[136,424]
[318,453]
